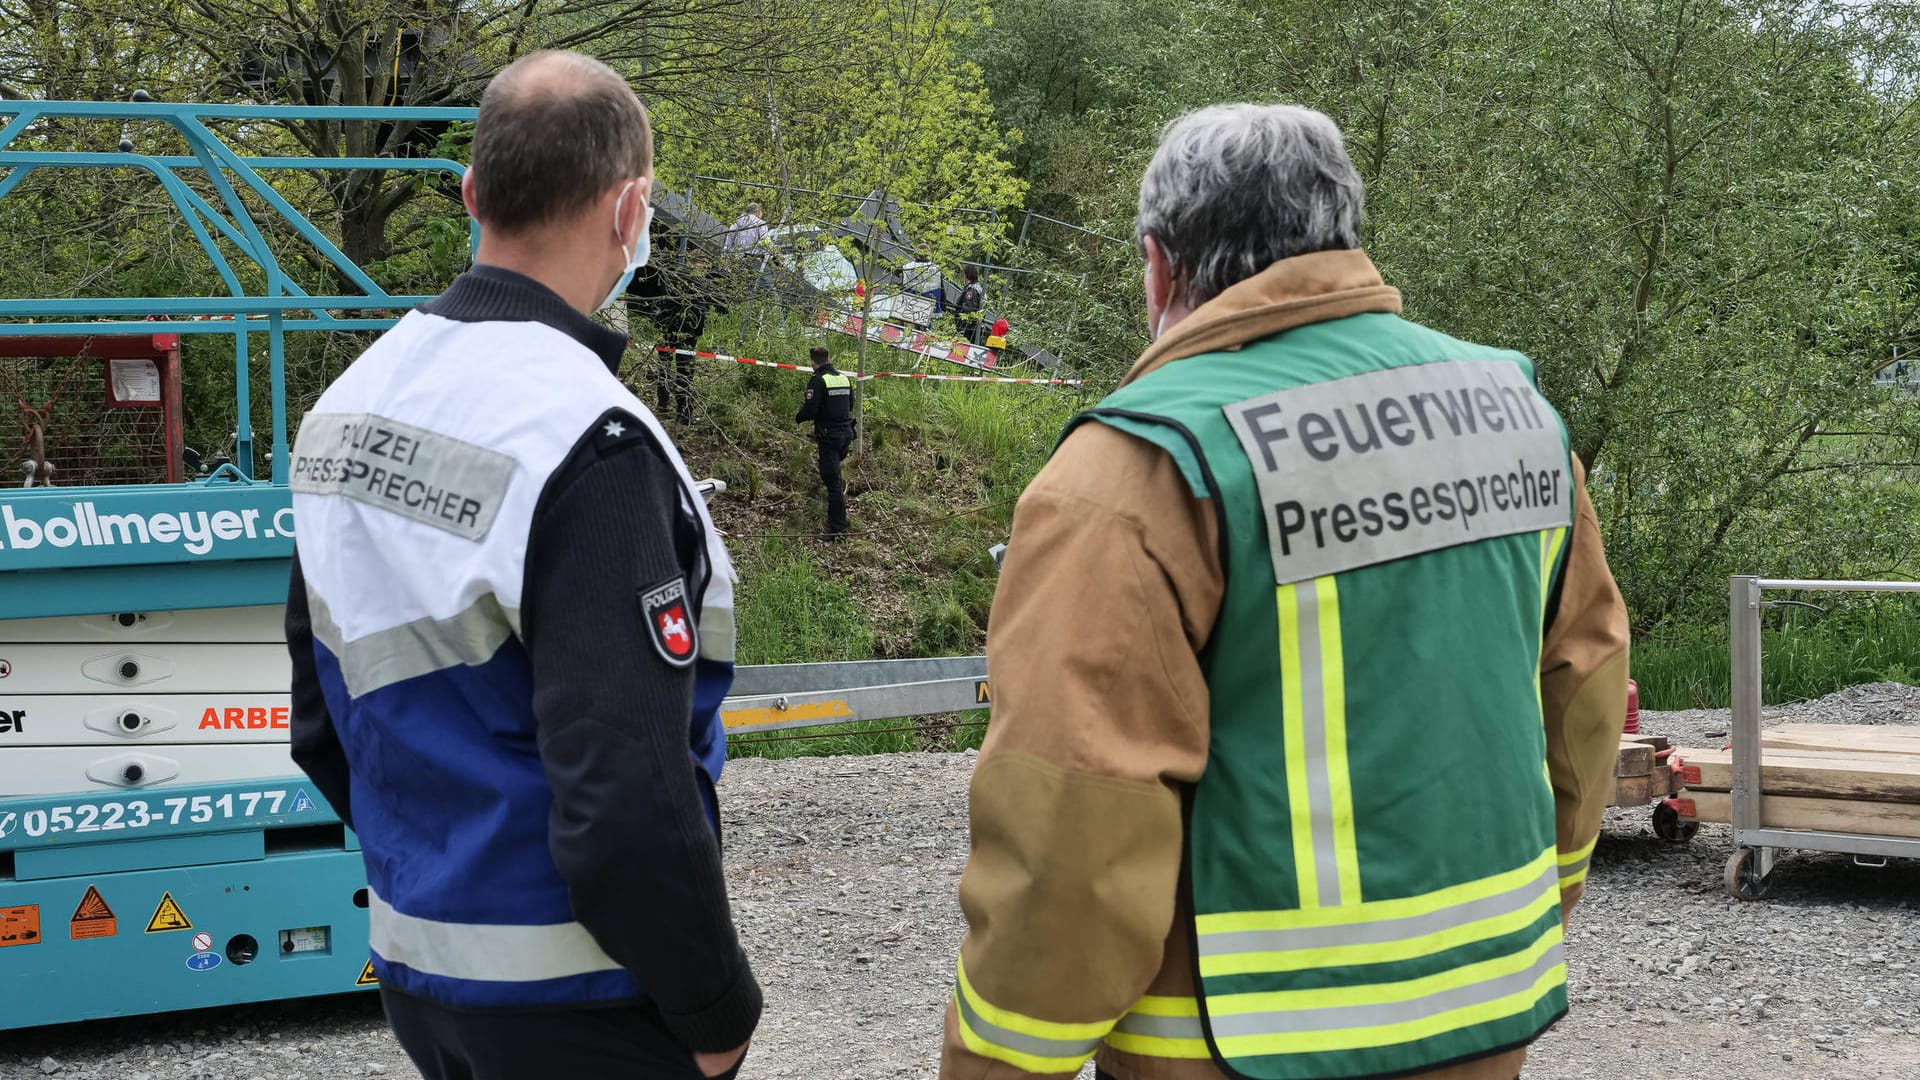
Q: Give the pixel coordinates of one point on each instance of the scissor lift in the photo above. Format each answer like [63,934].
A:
[158,848]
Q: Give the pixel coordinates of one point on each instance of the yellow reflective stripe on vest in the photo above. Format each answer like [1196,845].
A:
[1573,864]
[1314,707]
[1551,541]
[1162,1027]
[1040,1046]
[1388,1014]
[1382,931]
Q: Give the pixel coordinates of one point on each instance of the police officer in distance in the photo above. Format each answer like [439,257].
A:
[515,706]
[829,404]
[1259,639]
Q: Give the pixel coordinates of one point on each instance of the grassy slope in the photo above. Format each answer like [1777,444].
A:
[927,499]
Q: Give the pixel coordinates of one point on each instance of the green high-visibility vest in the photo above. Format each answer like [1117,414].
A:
[1370,853]
[836,381]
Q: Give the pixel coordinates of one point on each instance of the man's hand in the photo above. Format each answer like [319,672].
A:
[718,1064]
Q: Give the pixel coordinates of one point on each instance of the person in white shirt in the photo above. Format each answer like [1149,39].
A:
[747,232]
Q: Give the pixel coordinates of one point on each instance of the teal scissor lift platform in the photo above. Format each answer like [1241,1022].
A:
[158,848]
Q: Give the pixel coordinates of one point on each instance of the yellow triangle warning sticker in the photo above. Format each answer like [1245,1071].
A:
[367,977]
[93,918]
[168,916]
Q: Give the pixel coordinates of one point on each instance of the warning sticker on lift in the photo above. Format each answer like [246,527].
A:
[19,925]
[367,977]
[168,916]
[93,918]
[301,803]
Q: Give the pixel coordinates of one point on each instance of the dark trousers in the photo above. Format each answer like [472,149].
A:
[621,1043]
[673,391]
[833,450]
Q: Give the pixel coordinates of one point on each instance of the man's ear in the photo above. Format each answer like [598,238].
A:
[466,194]
[1159,275]
[633,212]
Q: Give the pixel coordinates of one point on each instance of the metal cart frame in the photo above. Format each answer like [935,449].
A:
[1751,863]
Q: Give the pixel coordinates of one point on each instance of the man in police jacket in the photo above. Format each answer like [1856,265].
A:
[511,626]
[829,404]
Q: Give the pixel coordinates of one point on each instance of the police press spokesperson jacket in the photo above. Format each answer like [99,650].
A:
[1307,674]
[511,628]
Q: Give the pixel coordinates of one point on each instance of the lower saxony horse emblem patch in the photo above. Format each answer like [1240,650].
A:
[670,622]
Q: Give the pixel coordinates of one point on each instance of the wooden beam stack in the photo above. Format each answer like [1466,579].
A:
[1643,772]
[1828,777]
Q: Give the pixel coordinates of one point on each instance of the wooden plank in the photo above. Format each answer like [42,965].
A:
[1665,782]
[1844,737]
[1636,759]
[1824,815]
[1632,790]
[1641,790]
[1866,776]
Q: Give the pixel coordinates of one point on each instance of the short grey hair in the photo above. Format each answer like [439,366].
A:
[556,130]
[1234,189]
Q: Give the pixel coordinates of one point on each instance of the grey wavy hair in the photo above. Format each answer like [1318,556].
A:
[1234,189]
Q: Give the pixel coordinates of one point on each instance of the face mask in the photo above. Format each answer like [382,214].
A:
[642,246]
[1160,320]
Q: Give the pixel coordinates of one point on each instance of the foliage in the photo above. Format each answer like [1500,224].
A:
[1702,217]
[1802,656]
[1698,215]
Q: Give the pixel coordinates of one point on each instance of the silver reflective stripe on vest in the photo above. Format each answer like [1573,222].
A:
[485,952]
[1343,1017]
[413,649]
[1160,1027]
[1019,1042]
[1313,715]
[1383,931]
[717,634]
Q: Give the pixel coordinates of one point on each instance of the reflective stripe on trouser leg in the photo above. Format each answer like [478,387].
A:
[1025,1042]
[1320,793]
[1573,864]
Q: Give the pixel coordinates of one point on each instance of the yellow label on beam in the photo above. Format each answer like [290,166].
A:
[836,709]
[982,693]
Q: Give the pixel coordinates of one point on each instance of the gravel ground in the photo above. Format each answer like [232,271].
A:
[844,872]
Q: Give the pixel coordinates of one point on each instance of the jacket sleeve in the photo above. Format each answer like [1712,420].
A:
[629,830]
[315,744]
[1583,689]
[1110,588]
[810,405]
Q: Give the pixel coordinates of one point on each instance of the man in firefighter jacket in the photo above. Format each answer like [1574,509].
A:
[829,405]
[1308,671]
[511,626]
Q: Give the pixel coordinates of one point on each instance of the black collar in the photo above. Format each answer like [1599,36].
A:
[492,294]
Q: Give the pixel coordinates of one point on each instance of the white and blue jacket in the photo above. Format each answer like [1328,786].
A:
[511,622]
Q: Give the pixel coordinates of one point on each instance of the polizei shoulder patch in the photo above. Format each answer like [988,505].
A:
[670,623]
[1363,470]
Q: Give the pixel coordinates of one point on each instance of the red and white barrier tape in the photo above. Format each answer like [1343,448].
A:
[876,375]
